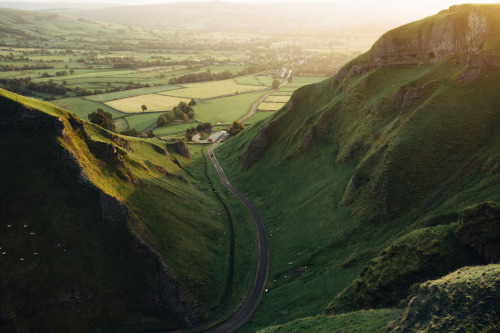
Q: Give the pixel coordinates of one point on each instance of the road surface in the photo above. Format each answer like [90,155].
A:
[252,301]
[253,108]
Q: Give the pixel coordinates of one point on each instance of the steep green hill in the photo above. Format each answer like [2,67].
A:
[362,178]
[100,230]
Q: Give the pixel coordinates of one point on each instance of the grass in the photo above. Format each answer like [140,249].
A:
[174,129]
[142,121]
[70,235]
[248,80]
[277,99]
[130,93]
[370,321]
[226,110]
[270,106]
[465,301]
[372,171]
[83,107]
[153,102]
[259,116]
[210,89]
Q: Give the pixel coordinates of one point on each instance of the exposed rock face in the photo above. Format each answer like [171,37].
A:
[423,42]
[433,42]
[181,148]
[462,301]
[258,146]
[165,292]
[479,229]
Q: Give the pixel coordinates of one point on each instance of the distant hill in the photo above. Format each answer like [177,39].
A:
[54,6]
[252,17]
[384,175]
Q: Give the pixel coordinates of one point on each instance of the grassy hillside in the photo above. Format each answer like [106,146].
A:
[402,139]
[106,231]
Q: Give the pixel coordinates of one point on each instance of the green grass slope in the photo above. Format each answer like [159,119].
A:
[101,230]
[402,138]
[463,301]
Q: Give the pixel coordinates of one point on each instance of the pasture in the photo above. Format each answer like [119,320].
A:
[153,102]
[203,90]
[83,107]
[277,99]
[267,106]
[130,93]
[226,110]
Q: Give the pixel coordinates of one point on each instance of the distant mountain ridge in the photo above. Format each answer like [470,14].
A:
[54,5]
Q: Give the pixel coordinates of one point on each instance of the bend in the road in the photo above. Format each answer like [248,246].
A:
[243,314]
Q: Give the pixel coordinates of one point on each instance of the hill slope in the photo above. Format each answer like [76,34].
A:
[98,229]
[392,151]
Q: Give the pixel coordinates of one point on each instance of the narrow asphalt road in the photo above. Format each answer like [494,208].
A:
[252,301]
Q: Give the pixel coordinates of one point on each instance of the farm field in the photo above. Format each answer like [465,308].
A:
[142,121]
[83,107]
[153,102]
[179,129]
[259,116]
[131,93]
[277,99]
[210,89]
[226,110]
[270,106]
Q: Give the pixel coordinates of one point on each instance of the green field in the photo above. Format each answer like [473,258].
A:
[210,89]
[226,110]
[277,99]
[83,107]
[153,102]
[249,80]
[142,121]
[176,130]
[270,106]
[130,93]
[259,116]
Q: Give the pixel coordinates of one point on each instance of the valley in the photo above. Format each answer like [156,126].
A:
[353,191]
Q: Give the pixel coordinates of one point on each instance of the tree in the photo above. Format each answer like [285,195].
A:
[236,128]
[190,114]
[103,119]
[199,128]
[207,127]
[72,71]
[144,107]
[100,119]
[192,102]
[276,84]
[185,117]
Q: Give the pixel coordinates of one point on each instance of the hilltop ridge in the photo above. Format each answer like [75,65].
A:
[393,152]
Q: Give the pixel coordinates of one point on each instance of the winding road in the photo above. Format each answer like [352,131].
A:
[243,314]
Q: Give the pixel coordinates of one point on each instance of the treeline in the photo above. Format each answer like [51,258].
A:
[21,85]
[183,111]
[201,77]
[120,63]
[208,76]
[8,68]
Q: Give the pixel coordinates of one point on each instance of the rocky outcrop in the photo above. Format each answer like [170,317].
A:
[463,301]
[165,292]
[406,97]
[432,42]
[480,229]
[181,148]
[461,30]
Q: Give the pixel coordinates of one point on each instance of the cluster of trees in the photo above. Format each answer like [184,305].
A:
[138,134]
[236,128]
[201,128]
[183,111]
[25,67]
[103,119]
[201,77]
[129,62]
